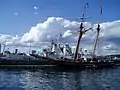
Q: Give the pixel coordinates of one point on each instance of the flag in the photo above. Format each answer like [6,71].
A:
[100,7]
[101,10]
[87,4]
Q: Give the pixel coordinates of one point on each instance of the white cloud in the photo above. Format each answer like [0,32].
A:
[111,29]
[67,33]
[52,27]
[36,13]
[36,7]
[16,13]
[8,38]
[43,33]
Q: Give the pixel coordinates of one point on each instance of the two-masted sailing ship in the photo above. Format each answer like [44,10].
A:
[61,55]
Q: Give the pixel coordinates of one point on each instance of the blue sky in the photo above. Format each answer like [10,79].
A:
[13,24]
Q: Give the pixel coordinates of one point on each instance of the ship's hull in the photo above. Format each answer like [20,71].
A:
[77,64]
[42,61]
[38,61]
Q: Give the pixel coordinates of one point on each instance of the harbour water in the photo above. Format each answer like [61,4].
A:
[36,79]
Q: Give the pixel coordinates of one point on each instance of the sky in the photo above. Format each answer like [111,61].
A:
[19,15]
[33,20]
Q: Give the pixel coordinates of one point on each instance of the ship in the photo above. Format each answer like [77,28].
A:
[61,55]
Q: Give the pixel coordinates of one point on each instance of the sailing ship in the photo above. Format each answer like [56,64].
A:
[61,55]
[83,60]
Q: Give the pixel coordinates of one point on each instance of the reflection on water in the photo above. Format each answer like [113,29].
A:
[104,79]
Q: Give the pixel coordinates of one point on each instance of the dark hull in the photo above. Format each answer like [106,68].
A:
[38,61]
[72,64]
[42,61]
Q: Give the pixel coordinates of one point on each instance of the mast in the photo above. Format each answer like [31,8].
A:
[98,31]
[81,32]
[78,42]
[96,40]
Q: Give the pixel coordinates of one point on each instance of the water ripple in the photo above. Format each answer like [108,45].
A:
[104,79]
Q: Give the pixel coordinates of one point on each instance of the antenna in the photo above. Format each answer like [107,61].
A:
[0,48]
[58,37]
[29,48]
[4,46]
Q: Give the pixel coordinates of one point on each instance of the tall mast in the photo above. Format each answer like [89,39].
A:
[98,31]
[81,32]
[96,40]
[78,42]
